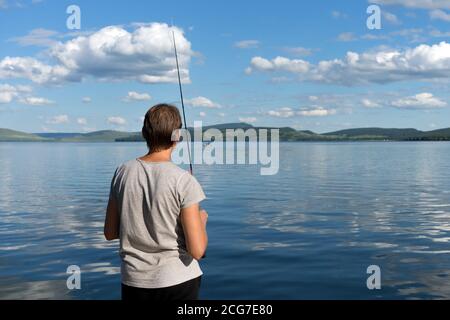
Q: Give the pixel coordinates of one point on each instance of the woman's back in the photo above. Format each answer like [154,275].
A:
[150,196]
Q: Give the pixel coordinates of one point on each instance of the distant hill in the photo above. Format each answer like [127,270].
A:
[7,135]
[286,134]
[360,134]
[436,135]
[96,136]
[57,135]
[235,125]
[391,134]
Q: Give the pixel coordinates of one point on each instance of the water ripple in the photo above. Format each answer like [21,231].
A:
[308,232]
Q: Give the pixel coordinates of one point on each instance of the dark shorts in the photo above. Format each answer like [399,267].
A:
[188,290]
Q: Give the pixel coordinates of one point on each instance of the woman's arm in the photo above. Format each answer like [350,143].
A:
[194,225]
[112,221]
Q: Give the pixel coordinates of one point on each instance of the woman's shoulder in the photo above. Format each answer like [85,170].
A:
[176,169]
[127,166]
[168,168]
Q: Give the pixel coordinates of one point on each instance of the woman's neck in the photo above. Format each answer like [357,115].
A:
[160,156]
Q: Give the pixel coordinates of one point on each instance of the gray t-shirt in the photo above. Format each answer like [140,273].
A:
[150,196]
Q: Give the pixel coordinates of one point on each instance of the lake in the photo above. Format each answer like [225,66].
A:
[309,232]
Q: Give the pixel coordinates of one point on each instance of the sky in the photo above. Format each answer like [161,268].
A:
[310,65]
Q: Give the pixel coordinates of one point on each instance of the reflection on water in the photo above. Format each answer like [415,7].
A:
[309,232]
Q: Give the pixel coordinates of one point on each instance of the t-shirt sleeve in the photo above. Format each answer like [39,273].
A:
[112,189]
[190,191]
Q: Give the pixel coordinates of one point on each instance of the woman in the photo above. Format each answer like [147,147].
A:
[154,210]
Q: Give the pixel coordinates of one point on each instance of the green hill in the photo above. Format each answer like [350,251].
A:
[286,134]
[378,133]
[360,134]
[436,135]
[7,135]
[57,135]
[97,136]
[392,134]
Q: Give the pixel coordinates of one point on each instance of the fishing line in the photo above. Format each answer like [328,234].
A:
[182,102]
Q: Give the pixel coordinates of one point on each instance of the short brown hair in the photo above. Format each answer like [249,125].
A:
[159,124]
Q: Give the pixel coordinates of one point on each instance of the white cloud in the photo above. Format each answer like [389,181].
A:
[32,69]
[423,62]
[202,114]
[47,129]
[135,96]
[248,119]
[299,51]
[8,92]
[279,64]
[304,112]
[86,100]
[247,44]
[369,103]
[419,4]
[440,15]
[439,34]
[346,37]
[262,64]
[60,119]
[82,121]
[419,101]
[371,36]
[5,4]
[6,96]
[38,37]
[88,129]
[337,14]
[117,121]
[281,113]
[390,17]
[202,102]
[112,53]
[145,55]
[20,93]
[316,112]
[221,114]
[248,71]
[281,79]
[36,101]
[415,35]
[412,35]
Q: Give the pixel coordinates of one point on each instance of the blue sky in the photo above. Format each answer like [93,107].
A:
[311,65]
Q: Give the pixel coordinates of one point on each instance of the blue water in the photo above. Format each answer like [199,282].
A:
[309,232]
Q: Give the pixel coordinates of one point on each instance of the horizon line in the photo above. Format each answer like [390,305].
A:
[234,123]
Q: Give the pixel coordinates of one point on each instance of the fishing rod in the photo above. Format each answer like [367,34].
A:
[182,106]
[182,101]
